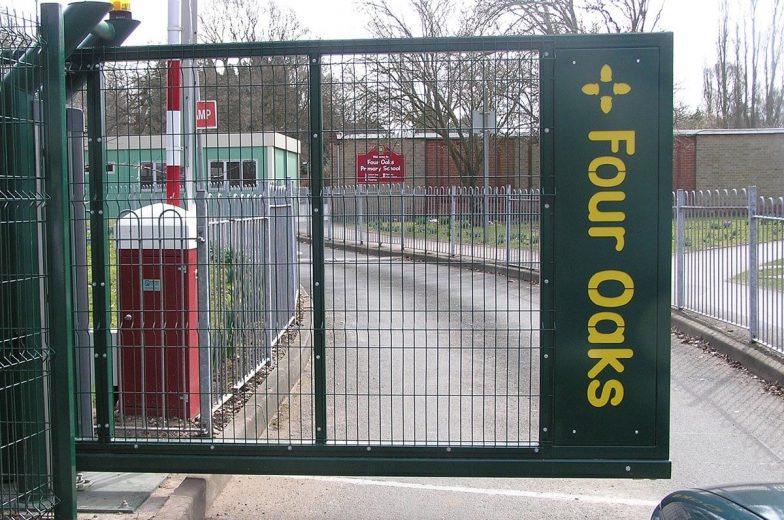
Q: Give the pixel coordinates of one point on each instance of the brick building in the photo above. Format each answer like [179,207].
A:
[702,159]
[514,160]
[726,159]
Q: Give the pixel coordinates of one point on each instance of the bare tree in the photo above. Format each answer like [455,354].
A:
[135,97]
[437,92]
[248,21]
[569,16]
[744,88]
[253,94]
[257,93]
[773,78]
[621,16]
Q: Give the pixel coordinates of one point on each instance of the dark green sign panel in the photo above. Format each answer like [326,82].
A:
[612,131]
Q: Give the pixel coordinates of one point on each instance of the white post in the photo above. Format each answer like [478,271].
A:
[753,264]
[452,218]
[175,22]
[680,249]
[508,237]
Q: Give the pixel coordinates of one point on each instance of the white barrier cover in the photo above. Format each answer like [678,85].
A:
[157,226]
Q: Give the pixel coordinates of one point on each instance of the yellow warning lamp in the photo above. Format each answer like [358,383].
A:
[120,9]
[121,5]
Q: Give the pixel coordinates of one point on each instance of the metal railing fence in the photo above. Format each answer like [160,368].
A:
[253,282]
[440,220]
[728,245]
[728,250]
[247,283]
[766,280]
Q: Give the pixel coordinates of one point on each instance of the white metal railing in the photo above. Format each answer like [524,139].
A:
[252,281]
[728,260]
[448,221]
[728,245]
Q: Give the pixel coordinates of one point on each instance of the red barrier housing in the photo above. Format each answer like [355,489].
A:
[158,308]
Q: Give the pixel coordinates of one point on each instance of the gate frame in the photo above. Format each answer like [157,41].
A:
[542,460]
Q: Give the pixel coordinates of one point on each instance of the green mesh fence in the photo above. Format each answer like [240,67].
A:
[25,477]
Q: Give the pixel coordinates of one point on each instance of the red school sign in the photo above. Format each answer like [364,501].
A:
[380,166]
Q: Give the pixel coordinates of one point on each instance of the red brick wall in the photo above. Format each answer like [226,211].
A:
[440,169]
[508,164]
[684,162]
[514,161]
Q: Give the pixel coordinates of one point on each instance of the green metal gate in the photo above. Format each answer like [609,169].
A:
[409,359]
[390,257]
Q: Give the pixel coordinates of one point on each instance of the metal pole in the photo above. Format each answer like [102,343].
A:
[508,237]
[327,213]
[402,217]
[753,264]
[486,157]
[83,344]
[293,259]
[547,240]
[190,93]
[360,215]
[452,218]
[58,257]
[173,109]
[680,249]
[319,298]
[267,274]
[99,250]
[203,290]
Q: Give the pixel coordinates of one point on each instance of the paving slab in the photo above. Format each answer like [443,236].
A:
[117,492]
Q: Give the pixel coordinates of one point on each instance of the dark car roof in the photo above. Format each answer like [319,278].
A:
[766,500]
[704,505]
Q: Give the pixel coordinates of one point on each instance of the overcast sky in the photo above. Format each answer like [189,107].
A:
[694,23]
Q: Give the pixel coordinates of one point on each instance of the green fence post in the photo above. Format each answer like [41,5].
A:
[58,258]
[547,243]
[99,247]
[317,206]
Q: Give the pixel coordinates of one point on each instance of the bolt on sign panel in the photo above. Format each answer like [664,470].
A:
[493,305]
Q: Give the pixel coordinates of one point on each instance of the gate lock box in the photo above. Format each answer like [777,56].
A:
[158,312]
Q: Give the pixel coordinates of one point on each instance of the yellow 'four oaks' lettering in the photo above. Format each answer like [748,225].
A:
[609,290]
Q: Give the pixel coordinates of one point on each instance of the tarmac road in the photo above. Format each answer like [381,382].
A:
[425,353]
[725,427]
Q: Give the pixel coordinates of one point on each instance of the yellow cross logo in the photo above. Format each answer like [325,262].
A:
[618,89]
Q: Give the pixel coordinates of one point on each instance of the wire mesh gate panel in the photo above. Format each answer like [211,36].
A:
[427,353]
[354,269]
